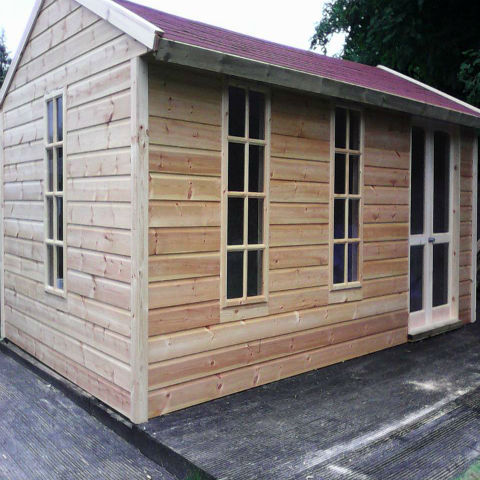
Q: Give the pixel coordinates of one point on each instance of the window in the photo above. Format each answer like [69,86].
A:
[245,226]
[346,185]
[54,195]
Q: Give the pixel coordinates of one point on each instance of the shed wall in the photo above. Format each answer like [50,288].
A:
[197,353]
[85,336]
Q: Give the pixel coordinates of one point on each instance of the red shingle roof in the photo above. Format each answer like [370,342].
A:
[221,40]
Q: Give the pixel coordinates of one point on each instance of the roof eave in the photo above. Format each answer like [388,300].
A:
[196,57]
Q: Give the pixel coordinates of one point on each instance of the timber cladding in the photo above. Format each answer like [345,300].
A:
[197,351]
[86,335]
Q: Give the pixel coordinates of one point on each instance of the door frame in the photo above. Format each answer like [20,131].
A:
[429,127]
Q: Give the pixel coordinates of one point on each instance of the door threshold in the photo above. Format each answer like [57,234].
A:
[435,331]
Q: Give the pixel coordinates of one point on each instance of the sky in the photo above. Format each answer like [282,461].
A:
[263,19]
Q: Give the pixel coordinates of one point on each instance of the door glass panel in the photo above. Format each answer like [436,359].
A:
[416,278]
[254,278]
[339,263]
[340,173]
[352,262]
[235,221]
[234,274]
[440,274]
[441,182]
[417,191]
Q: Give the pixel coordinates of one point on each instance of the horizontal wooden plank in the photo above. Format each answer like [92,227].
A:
[100,189]
[181,292]
[99,164]
[466,199]
[385,250]
[116,215]
[24,134]
[301,277]
[385,286]
[385,268]
[465,258]
[32,190]
[184,317]
[183,369]
[389,177]
[385,231]
[183,240]
[184,161]
[290,235]
[386,214]
[24,172]
[466,214]
[24,229]
[303,192]
[31,210]
[466,184]
[374,195]
[25,266]
[465,273]
[99,239]
[183,187]
[387,130]
[183,214]
[387,158]
[298,213]
[179,133]
[171,267]
[27,152]
[290,257]
[300,148]
[299,170]
[24,115]
[25,248]
[465,288]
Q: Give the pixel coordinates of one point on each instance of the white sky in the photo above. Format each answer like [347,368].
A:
[271,20]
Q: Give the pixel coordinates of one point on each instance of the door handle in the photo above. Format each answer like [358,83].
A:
[431,239]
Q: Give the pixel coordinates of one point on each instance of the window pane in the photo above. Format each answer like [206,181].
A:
[352,262]
[234,274]
[236,170]
[255,276]
[59,119]
[354,130]
[50,121]
[340,128]
[255,221]
[339,218]
[417,193]
[235,221]
[59,218]
[354,174]
[236,111]
[50,217]
[353,223]
[50,170]
[339,263]
[255,169]
[416,278]
[257,115]
[49,265]
[441,182]
[340,173]
[440,274]
[59,268]
[59,169]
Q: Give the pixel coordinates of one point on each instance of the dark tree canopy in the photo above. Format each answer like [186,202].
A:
[434,41]
[4,58]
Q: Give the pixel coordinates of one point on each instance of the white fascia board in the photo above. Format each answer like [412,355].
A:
[132,24]
[428,87]
[20,49]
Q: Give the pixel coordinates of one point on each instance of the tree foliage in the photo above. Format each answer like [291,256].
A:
[4,58]
[434,41]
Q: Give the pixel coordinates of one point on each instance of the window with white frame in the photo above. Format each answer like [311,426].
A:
[54,195]
[245,195]
[347,197]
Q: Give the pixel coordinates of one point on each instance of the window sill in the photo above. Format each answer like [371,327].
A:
[234,302]
[56,292]
[346,286]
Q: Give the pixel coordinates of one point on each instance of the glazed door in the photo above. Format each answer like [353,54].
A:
[431,226]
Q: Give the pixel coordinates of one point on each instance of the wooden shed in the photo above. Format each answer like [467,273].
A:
[188,212]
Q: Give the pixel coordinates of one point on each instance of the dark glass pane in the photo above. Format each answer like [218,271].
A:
[50,217]
[417,192]
[255,169]
[354,130]
[59,218]
[339,218]
[441,182]
[59,119]
[234,274]
[340,173]
[255,275]
[236,111]
[339,263]
[50,121]
[416,278]
[257,115]
[354,174]
[59,169]
[50,265]
[50,170]
[353,209]
[340,128]
[440,274]
[352,262]
[236,170]
[235,221]
[255,221]
[59,268]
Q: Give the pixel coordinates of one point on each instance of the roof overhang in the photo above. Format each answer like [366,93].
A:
[191,56]
[137,27]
